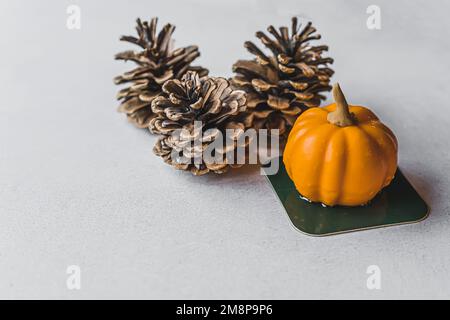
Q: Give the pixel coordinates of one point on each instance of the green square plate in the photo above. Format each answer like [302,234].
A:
[397,204]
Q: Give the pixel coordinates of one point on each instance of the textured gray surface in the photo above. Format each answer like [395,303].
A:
[79,185]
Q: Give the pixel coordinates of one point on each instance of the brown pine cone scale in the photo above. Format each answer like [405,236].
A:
[193,115]
[156,63]
[282,84]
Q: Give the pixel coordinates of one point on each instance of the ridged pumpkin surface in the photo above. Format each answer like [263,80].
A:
[337,165]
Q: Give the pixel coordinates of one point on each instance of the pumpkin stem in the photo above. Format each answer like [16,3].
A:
[341,116]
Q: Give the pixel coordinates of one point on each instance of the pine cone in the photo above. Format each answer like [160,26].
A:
[281,85]
[198,109]
[156,63]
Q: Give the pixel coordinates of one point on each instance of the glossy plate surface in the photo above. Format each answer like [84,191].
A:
[399,203]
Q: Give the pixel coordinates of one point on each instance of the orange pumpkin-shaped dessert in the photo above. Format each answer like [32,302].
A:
[340,154]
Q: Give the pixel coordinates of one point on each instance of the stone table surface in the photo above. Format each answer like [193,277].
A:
[79,185]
